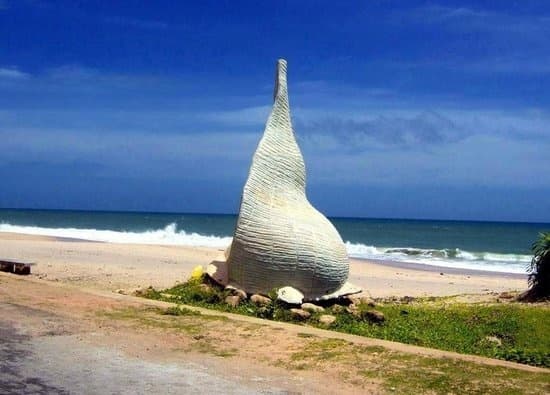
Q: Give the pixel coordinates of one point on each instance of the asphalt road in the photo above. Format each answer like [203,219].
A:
[61,364]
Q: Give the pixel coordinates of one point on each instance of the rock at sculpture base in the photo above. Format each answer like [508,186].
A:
[236,292]
[327,319]
[233,300]
[260,300]
[217,271]
[290,295]
[299,314]
[375,316]
[312,308]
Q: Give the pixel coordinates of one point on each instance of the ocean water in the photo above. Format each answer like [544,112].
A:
[489,246]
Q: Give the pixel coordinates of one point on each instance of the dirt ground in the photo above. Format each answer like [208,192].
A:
[57,338]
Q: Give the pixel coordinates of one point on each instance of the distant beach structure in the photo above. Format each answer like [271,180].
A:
[281,241]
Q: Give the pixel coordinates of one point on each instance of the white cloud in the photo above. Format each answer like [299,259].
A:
[478,160]
[129,153]
[348,135]
[13,73]
[373,129]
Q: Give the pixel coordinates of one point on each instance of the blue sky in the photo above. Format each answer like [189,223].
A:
[424,110]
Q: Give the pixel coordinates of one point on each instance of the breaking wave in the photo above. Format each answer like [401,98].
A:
[453,258]
[169,235]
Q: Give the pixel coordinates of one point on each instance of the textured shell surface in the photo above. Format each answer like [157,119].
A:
[280,238]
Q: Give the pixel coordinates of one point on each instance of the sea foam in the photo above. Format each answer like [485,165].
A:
[452,258]
[169,235]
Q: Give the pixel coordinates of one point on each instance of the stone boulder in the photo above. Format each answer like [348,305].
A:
[237,292]
[233,300]
[327,319]
[312,308]
[374,316]
[260,300]
[337,309]
[356,300]
[299,314]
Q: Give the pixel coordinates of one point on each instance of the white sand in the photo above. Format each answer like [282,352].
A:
[128,266]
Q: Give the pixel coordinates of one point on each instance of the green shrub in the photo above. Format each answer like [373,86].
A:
[539,269]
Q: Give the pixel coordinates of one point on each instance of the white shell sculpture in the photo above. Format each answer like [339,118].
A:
[281,241]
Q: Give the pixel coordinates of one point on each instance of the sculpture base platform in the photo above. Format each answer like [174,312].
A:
[218,271]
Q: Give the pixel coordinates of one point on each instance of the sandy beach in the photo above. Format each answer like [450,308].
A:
[109,266]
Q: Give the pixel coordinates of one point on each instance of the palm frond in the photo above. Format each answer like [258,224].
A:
[539,268]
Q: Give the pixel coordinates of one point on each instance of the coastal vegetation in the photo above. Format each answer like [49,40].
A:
[539,270]
[502,329]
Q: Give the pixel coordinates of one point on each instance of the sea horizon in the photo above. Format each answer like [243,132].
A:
[236,214]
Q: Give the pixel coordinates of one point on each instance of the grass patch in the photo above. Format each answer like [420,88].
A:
[510,331]
[152,317]
[180,319]
[323,350]
[413,374]
[180,310]
[449,376]
[305,335]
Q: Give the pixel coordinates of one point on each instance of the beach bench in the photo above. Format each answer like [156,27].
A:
[21,268]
